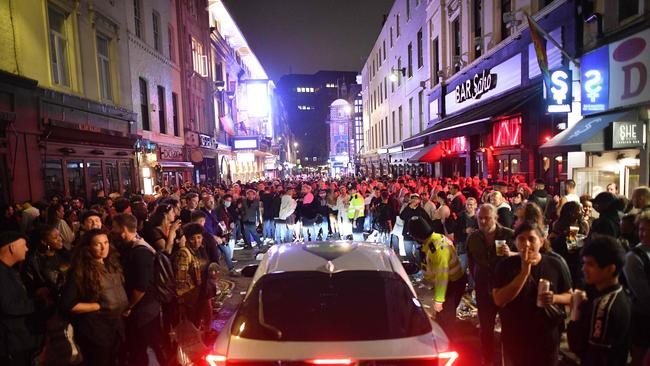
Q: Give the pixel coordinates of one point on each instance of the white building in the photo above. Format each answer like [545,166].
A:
[394,78]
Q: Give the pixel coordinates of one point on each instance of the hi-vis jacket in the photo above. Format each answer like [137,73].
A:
[442,264]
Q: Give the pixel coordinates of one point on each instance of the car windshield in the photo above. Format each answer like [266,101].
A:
[317,306]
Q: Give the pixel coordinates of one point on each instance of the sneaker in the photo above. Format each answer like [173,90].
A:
[234,273]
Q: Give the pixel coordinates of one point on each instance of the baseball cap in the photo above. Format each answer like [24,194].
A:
[415,195]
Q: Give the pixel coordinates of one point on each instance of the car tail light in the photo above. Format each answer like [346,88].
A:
[215,360]
[447,358]
[331,361]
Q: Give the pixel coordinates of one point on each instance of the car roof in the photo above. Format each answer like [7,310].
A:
[328,256]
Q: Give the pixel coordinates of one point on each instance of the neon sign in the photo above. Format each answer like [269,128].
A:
[507,132]
[559,95]
[595,81]
[477,86]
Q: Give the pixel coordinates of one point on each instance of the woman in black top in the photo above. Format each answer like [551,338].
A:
[94,296]
[46,267]
[531,334]
[570,215]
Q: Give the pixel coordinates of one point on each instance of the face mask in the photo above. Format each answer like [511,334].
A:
[227,204]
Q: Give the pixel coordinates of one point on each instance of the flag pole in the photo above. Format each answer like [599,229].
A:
[555,43]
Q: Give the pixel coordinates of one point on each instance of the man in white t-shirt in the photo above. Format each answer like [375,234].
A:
[570,196]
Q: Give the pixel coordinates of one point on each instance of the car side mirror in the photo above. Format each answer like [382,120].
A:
[410,268]
[249,270]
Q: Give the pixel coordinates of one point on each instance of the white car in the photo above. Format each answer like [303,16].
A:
[330,303]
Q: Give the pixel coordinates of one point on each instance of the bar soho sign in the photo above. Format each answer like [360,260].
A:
[627,134]
[475,87]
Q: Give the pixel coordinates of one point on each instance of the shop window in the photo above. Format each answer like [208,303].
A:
[507,132]
[53,177]
[76,178]
[126,169]
[112,177]
[95,178]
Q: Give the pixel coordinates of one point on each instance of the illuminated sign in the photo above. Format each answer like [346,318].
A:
[595,81]
[206,141]
[475,87]
[245,144]
[558,96]
[507,132]
[245,157]
[627,135]
[257,99]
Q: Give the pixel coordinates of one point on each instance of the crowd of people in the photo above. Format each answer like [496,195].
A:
[122,271]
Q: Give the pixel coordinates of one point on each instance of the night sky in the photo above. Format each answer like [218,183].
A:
[305,36]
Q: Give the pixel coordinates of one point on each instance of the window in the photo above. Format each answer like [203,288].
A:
[410,117]
[478,28]
[199,61]
[155,21]
[386,129]
[397,24]
[137,17]
[53,177]
[394,129]
[391,37]
[627,9]
[104,68]
[456,60]
[420,56]
[506,6]
[162,110]
[384,49]
[175,114]
[385,87]
[112,178]
[401,122]
[76,178]
[95,177]
[399,71]
[58,47]
[435,62]
[421,109]
[409,67]
[126,167]
[170,37]
[381,132]
[144,105]
[408,10]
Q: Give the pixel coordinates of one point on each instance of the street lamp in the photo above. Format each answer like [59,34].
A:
[393,73]
[347,109]
[295,144]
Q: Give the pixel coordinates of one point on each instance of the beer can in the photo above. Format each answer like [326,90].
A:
[544,286]
[576,299]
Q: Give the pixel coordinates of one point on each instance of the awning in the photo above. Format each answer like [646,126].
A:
[176,164]
[428,154]
[473,121]
[588,134]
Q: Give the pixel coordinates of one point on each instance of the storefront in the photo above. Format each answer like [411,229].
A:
[249,162]
[496,106]
[204,157]
[175,171]
[609,145]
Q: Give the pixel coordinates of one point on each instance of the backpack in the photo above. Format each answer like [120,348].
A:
[163,286]
[164,280]
[646,269]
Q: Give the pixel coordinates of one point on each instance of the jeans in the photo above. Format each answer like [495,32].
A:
[412,251]
[487,313]
[309,230]
[323,228]
[269,228]
[250,230]
[464,262]
[226,250]
[283,232]
[367,222]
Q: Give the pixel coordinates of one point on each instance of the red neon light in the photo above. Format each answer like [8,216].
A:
[333,361]
[547,138]
[449,356]
[215,360]
[507,132]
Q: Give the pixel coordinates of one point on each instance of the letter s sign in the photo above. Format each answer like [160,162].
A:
[559,95]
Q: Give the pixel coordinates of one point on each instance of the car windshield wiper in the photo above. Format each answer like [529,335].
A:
[260,315]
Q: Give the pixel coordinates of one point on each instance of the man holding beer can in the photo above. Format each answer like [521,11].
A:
[599,329]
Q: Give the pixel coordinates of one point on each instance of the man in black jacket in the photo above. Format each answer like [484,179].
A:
[267,197]
[539,196]
[413,209]
[18,340]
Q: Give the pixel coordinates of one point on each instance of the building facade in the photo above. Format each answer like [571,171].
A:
[156,92]
[68,125]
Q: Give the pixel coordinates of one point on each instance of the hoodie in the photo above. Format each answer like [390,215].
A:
[287,207]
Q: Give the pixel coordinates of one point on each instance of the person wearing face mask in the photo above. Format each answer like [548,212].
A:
[530,331]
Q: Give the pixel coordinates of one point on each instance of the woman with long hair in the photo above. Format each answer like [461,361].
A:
[530,320]
[94,296]
[160,231]
[565,243]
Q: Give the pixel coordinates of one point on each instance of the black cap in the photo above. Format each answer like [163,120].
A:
[500,183]
[9,237]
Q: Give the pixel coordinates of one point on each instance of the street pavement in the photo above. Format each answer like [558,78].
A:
[464,335]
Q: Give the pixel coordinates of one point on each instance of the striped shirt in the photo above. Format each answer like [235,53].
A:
[442,264]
